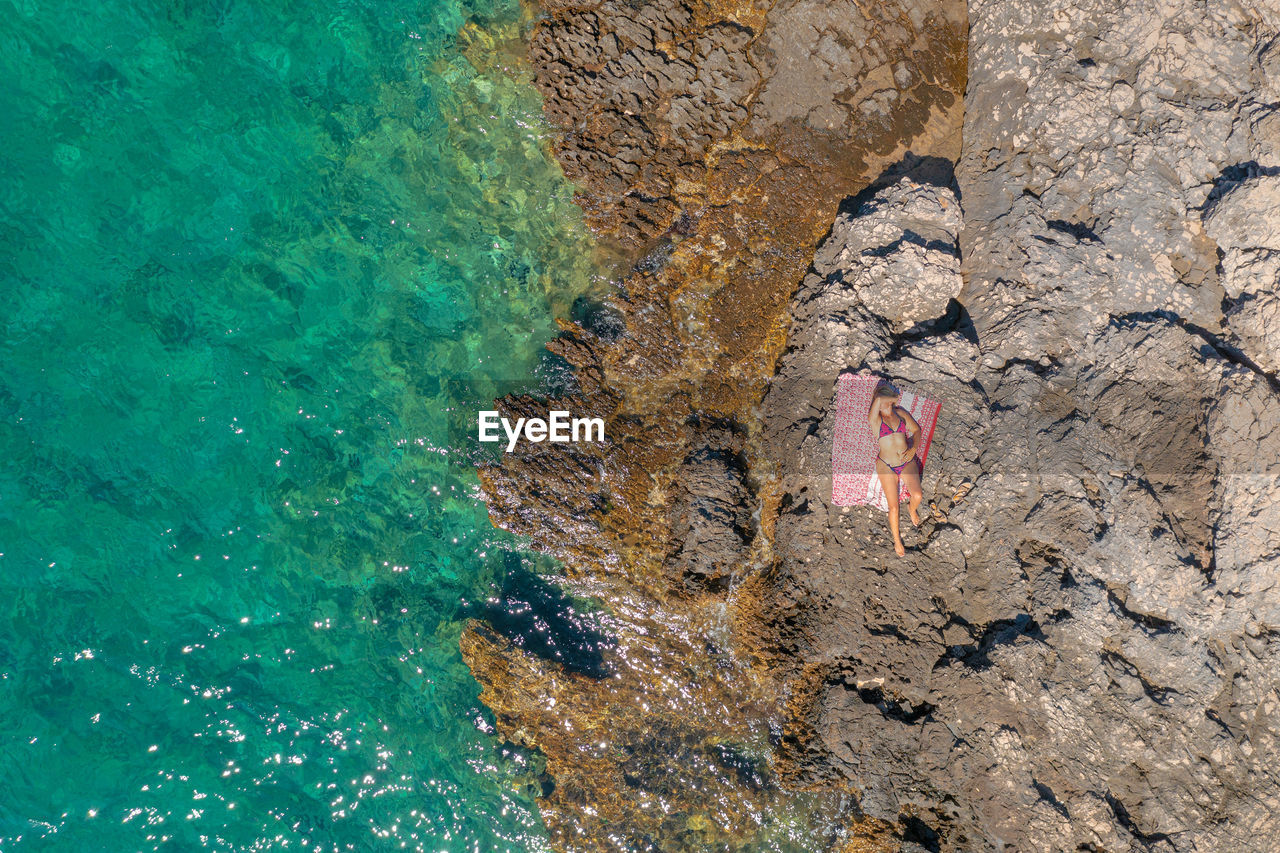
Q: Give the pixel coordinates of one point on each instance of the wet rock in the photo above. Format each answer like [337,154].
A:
[644,94]
[676,121]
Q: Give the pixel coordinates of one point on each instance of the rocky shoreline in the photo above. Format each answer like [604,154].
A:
[1078,651]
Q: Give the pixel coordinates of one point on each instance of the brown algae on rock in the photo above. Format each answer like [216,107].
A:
[714,143]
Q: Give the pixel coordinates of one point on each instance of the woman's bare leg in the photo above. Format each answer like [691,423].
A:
[911,479]
[889,482]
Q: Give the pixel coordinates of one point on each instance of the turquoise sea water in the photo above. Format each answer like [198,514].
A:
[244,248]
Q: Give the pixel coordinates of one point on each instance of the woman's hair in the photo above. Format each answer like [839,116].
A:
[883,389]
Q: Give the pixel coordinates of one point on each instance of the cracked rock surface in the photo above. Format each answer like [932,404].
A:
[712,143]
[665,101]
[1081,649]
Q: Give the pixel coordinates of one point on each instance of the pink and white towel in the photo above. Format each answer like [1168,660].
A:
[854,449]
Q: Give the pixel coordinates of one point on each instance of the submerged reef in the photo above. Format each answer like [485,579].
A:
[1079,650]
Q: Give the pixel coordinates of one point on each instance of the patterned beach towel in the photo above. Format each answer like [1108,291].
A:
[853,449]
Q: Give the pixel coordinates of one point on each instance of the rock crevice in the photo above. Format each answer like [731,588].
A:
[713,142]
[1075,652]
[1079,650]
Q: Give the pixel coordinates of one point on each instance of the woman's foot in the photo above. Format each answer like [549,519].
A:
[898,549]
[915,516]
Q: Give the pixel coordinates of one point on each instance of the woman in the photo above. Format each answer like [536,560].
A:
[899,437]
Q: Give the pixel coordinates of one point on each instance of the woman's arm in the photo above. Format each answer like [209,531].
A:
[913,428]
[872,417]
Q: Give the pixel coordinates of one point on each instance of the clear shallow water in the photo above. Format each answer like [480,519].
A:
[244,248]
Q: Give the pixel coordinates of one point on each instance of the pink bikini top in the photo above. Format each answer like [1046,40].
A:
[884,428]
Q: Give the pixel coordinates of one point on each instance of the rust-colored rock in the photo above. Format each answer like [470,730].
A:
[714,142]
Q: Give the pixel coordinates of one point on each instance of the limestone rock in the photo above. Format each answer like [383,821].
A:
[651,96]
[1080,649]
[1077,651]
[1245,223]
[677,121]
[900,252]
